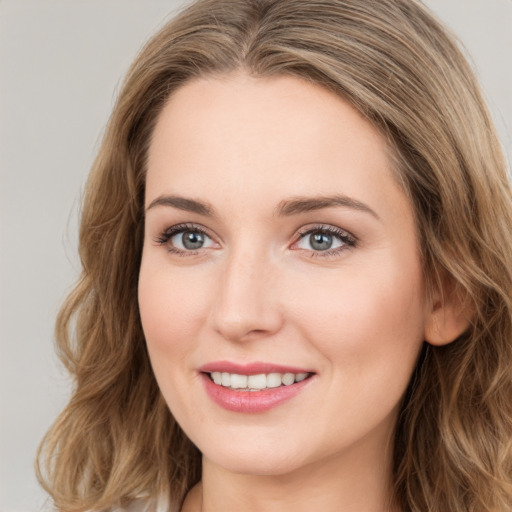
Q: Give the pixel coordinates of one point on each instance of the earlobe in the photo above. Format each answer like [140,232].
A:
[449,317]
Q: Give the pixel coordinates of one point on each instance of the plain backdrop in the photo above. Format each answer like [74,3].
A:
[61,62]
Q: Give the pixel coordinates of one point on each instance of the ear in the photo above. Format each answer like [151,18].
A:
[449,316]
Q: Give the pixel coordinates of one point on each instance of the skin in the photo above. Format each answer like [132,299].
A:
[258,291]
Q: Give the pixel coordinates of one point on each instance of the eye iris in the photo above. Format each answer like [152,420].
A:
[192,240]
[320,241]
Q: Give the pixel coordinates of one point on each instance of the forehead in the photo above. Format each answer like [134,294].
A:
[237,136]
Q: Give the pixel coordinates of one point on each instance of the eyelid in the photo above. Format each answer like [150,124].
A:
[164,237]
[349,240]
[329,228]
[179,228]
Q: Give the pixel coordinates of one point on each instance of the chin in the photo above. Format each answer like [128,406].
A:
[257,466]
[256,459]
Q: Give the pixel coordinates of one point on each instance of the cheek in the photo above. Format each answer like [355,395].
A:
[372,316]
[171,306]
[368,327]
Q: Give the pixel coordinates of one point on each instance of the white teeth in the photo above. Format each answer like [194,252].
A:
[273,380]
[256,382]
[288,378]
[238,381]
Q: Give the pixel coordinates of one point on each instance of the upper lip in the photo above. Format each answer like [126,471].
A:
[250,368]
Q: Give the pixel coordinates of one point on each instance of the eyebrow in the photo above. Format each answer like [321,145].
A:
[185,204]
[285,208]
[299,205]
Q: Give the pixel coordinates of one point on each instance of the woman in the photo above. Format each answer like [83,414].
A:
[296,288]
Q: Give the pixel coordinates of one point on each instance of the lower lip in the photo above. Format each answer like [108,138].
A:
[252,401]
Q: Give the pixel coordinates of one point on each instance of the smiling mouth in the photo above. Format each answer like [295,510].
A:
[259,382]
[255,387]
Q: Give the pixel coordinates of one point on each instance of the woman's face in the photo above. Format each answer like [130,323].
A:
[277,241]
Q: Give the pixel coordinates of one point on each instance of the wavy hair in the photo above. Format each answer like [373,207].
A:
[401,69]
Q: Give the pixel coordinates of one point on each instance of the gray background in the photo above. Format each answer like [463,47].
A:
[61,62]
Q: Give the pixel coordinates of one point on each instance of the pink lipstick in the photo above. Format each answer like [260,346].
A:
[255,387]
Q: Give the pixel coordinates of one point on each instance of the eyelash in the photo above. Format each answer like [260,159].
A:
[346,238]
[166,235]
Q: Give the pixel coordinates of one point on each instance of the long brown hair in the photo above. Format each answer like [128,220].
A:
[393,61]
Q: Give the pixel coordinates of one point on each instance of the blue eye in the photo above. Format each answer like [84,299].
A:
[320,241]
[190,240]
[327,239]
[185,238]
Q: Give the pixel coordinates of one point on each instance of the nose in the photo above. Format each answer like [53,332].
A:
[247,305]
